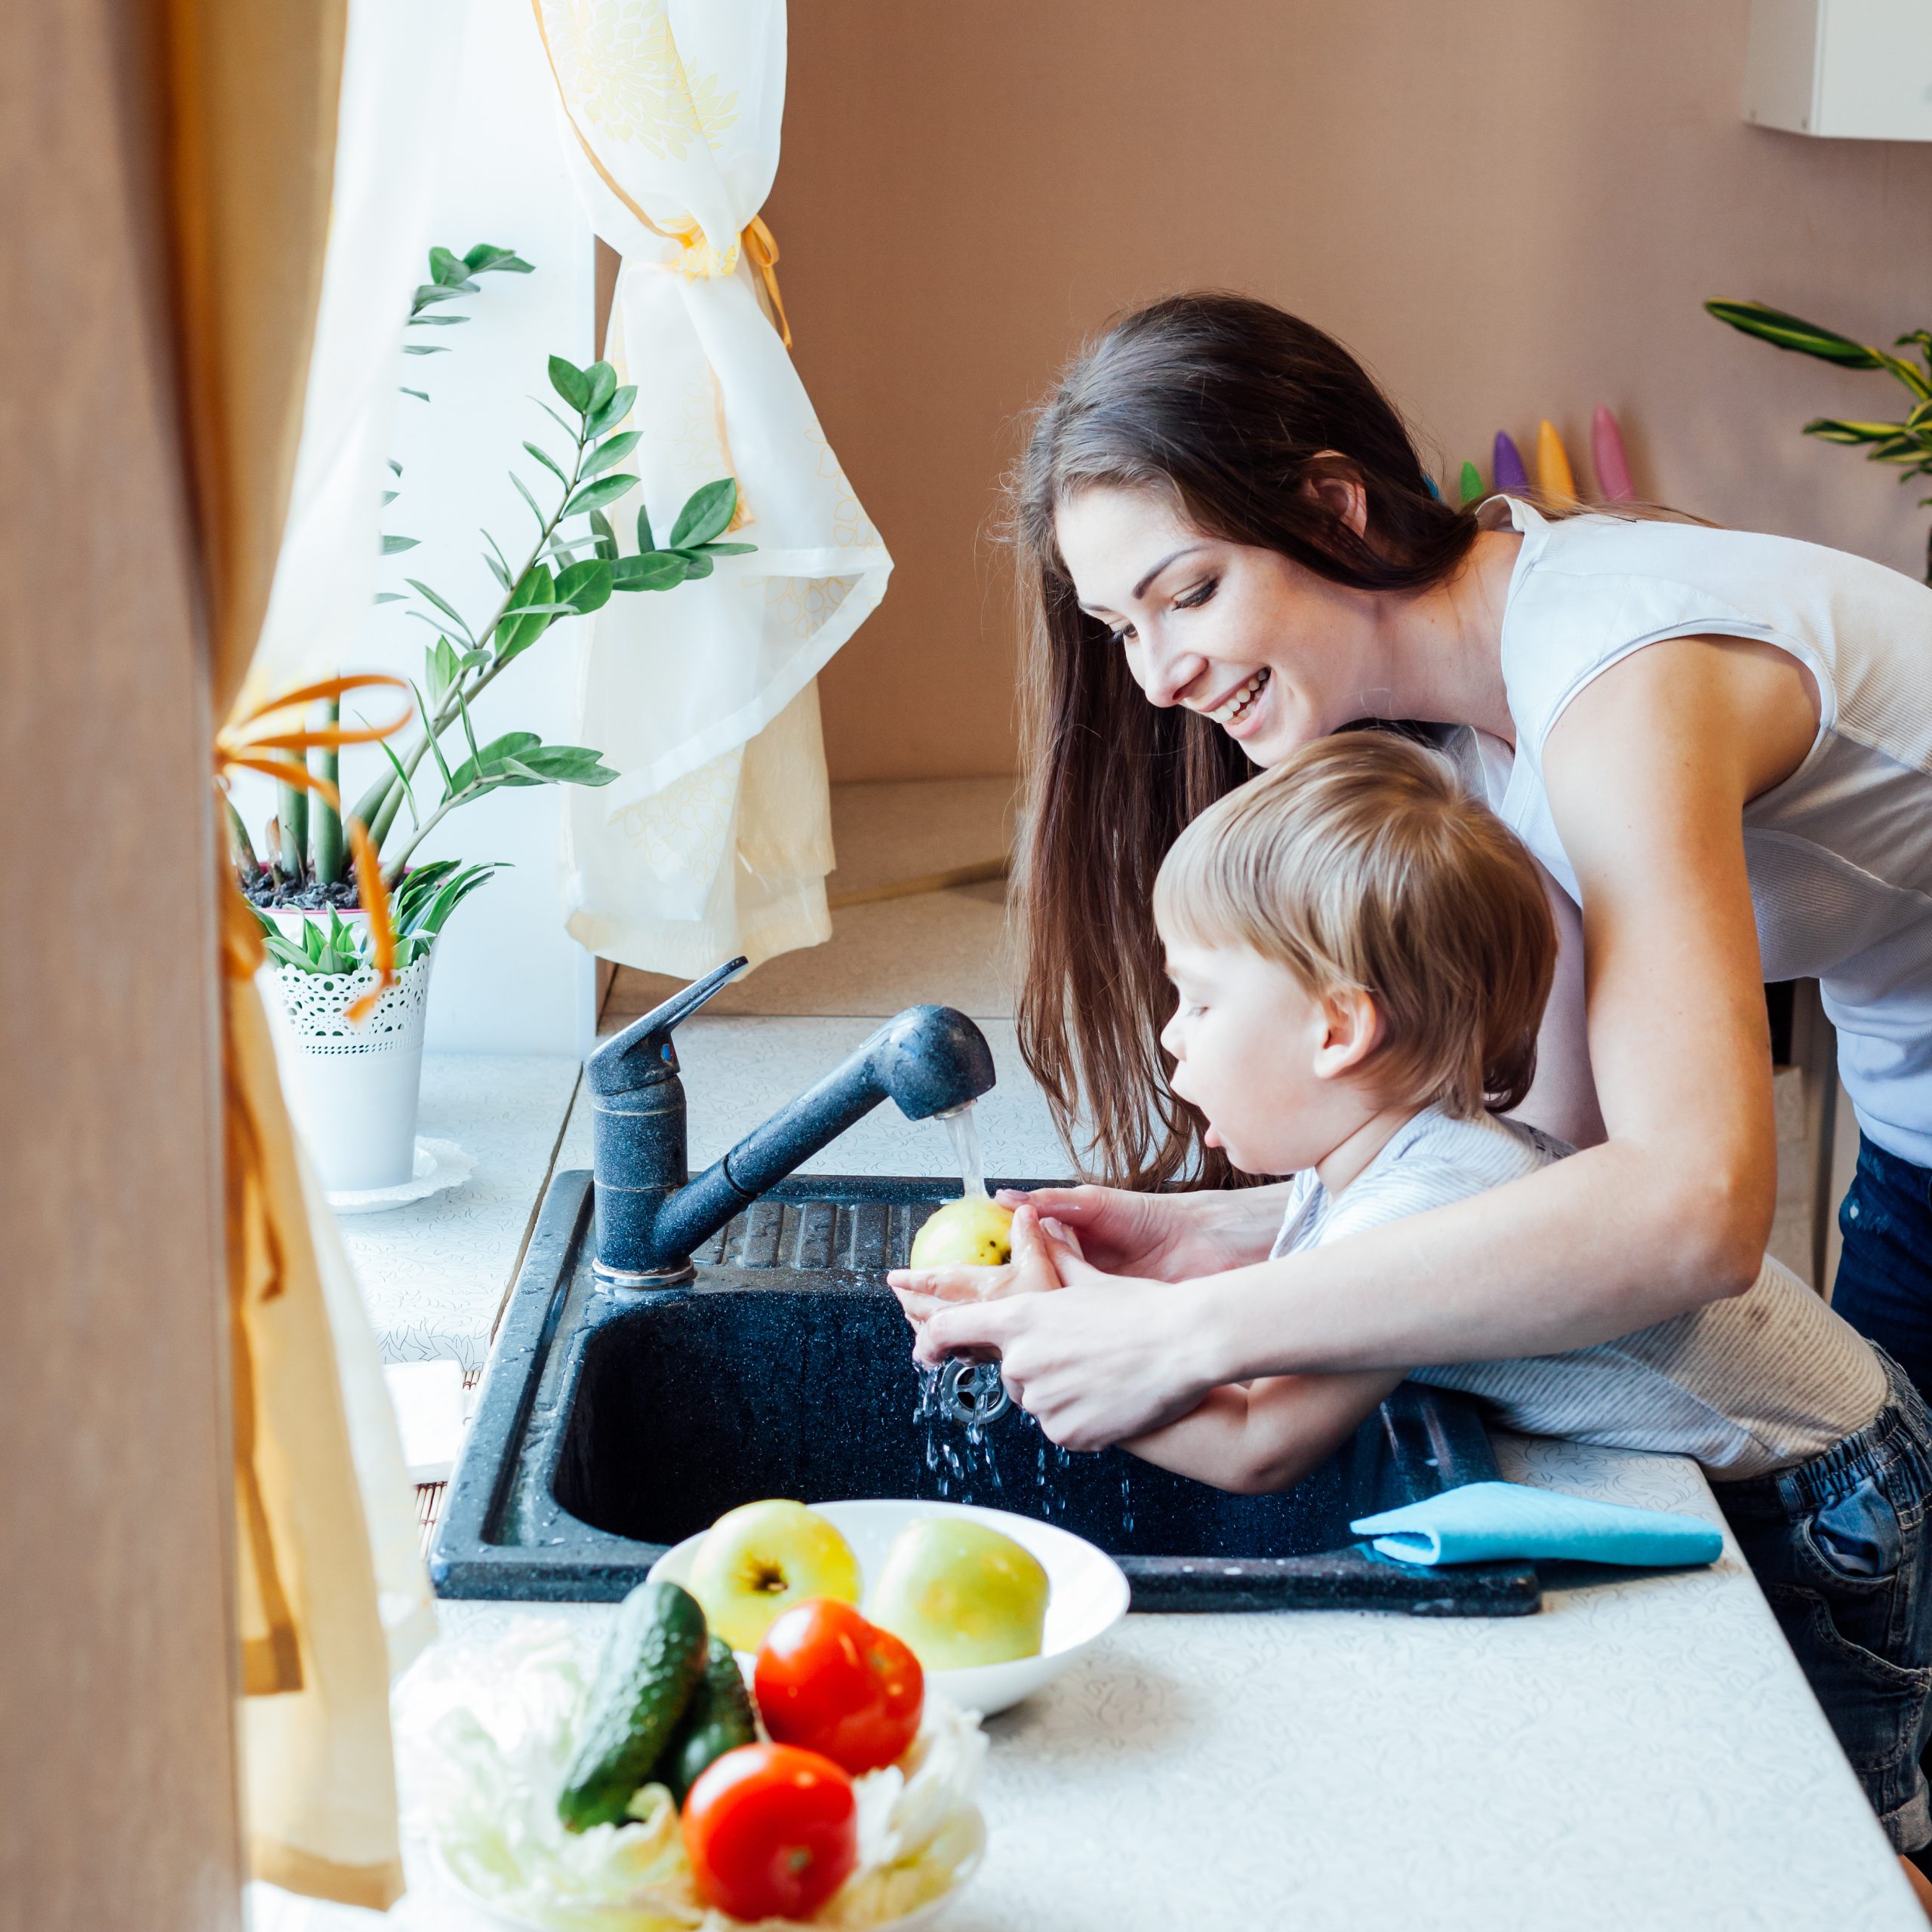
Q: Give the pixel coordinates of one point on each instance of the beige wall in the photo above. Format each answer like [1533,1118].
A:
[1509,208]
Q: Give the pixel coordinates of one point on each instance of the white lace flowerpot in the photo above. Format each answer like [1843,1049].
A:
[351,1087]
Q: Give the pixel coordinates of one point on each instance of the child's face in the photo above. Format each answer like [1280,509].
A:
[1268,1062]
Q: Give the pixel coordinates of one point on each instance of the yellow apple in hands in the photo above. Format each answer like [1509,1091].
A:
[960,1594]
[972,1231]
[762,1557]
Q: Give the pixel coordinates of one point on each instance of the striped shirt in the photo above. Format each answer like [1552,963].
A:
[1747,1385]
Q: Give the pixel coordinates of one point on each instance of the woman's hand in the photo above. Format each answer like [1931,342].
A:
[1161,1237]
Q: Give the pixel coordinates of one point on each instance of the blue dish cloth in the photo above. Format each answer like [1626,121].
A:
[1485,1521]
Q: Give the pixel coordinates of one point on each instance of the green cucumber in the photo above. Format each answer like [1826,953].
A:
[718,1719]
[654,1662]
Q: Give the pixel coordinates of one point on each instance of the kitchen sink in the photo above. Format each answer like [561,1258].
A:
[614,1422]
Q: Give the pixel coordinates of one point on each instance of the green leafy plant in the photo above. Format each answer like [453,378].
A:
[574,565]
[1907,443]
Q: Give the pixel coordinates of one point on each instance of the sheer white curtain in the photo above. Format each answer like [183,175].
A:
[717,838]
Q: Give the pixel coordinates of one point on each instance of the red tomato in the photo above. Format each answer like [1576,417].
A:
[827,1680]
[771,1832]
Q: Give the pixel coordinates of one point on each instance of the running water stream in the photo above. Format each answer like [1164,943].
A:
[964,1130]
[944,1460]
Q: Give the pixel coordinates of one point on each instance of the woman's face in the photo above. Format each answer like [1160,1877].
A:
[1273,653]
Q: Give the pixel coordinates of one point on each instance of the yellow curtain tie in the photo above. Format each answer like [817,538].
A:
[701,262]
[237,747]
[761,245]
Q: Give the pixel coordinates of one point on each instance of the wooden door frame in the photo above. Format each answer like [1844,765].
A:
[119,1783]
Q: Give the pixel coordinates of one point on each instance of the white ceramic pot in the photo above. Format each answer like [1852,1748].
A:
[352,1089]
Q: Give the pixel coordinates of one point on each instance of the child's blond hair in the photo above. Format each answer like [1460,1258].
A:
[1361,865]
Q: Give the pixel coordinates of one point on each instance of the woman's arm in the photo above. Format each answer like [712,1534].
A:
[1648,773]
[1563,1099]
[1267,1436]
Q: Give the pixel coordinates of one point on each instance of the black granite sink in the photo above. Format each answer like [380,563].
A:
[613,1423]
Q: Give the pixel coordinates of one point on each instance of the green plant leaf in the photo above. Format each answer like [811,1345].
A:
[395,466]
[421,395]
[548,462]
[390,597]
[612,451]
[571,383]
[613,411]
[595,496]
[484,766]
[697,563]
[606,537]
[394,546]
[519,627]
[708,514]
[542,521]
[503,563]
[428,717]
[729,549]
[563,764]
[498,569]
[441,667]
[468,729]
[570,429]
[409,794]
[1788,331]
[486,259]
[603,381]
[1832,430]
[429,293]
[645,541]
[389,496]
[424,348]
[447,269]
[448,610]
[655,570]
[586,587]
[437,322]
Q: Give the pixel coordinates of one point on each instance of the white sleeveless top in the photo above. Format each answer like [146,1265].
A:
[1840,855]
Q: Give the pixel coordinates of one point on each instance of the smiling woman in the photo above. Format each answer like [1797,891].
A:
[1147,699]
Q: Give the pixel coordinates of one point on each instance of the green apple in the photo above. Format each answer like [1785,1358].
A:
[762,1557]
[972,1231]
[960,1594]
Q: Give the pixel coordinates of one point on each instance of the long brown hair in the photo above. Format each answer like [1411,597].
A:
[1231,407]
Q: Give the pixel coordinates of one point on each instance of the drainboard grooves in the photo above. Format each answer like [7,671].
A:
[870,1229]
[817,1235]
[814,1236]
[764,1221]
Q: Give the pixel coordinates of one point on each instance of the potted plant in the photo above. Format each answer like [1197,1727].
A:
[352,1039]
[1907,443]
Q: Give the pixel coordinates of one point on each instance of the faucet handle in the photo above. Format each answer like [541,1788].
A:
[614,1068]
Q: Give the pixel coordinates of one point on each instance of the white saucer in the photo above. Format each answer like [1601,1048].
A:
[439,1165]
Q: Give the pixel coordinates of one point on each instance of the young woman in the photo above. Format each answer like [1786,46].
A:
[1716,744]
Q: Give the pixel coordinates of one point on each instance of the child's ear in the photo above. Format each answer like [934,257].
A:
[1354,1031]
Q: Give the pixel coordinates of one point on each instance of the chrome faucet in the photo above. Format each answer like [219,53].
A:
[651,1215]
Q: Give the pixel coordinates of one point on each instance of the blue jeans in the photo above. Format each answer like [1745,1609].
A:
[1883,1287]
[1840,1545]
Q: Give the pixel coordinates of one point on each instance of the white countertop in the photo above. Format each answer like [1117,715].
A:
[1642,1755]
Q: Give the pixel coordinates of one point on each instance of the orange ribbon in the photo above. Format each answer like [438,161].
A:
[238,748]
[761,245]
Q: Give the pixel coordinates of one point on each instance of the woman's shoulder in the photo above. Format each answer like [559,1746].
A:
[1590,590]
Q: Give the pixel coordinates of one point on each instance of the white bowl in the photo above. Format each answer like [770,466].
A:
[1087,1590]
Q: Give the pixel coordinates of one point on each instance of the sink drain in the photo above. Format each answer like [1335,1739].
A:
[972,1393]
